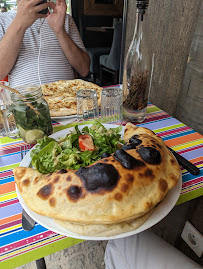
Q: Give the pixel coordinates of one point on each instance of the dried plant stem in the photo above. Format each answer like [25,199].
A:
[137,85]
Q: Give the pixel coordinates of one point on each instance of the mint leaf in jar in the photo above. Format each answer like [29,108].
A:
[33,120]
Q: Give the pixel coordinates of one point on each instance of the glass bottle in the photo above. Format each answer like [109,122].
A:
[32,116]
[137,70]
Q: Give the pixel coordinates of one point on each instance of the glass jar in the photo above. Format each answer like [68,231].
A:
[5,101]
[137,71]
[31,114]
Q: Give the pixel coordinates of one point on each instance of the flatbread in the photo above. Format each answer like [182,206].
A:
[105,192]
[61,95]
[104,229]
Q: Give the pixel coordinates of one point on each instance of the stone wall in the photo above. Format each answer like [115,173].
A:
[171,26]
[190,102]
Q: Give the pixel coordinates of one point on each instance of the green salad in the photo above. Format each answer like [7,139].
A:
[77,149]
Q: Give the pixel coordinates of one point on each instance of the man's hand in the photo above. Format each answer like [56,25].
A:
[78,58]
[27,12]
[56,19]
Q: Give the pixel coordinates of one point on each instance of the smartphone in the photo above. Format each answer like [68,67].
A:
[44,11]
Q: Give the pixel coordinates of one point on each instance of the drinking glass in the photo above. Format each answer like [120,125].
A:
[87,104]
[111,104]
[31,113]
[5,102]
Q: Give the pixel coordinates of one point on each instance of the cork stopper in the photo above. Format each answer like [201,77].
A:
[142,6]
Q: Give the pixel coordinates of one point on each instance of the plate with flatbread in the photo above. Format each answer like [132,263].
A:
[117,196]
[61,96]
[64,117]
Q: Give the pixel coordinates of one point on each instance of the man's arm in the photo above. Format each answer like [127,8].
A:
[10,43]
[9,47]
[78,58]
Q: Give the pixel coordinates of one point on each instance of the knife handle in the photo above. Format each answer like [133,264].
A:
[190,167]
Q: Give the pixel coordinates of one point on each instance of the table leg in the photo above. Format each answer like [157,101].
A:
[41,264]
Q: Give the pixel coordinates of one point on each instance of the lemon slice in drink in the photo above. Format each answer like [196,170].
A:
[32,136]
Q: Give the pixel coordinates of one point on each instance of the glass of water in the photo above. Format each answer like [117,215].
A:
[111,104]
[87,104]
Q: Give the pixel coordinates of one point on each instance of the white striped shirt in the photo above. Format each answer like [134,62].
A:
[40,59]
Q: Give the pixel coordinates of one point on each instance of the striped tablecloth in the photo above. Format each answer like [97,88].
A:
[18,247]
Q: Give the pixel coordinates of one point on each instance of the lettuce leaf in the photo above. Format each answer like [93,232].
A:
[45,161]
[42,143]
[50,155]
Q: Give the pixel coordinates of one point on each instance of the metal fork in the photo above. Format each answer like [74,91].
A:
[27,222]
[24,150]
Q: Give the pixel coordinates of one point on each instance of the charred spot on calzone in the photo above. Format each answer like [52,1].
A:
[45,192]
[135,141]
[126,160]
[128,146]
[98,176]
[74,192]
[62,171]
[105,155]
[150,155]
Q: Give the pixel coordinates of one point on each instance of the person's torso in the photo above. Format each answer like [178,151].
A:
[41,59]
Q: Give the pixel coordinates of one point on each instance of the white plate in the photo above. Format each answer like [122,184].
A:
[64,117]
[164,207]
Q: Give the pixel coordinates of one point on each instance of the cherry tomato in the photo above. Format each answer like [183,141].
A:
[86,142]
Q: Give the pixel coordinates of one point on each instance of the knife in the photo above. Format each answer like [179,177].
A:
[27,222]
[190,167]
